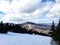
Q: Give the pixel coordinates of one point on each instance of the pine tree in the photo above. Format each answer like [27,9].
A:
[56,34]
[58,26]
[52,29]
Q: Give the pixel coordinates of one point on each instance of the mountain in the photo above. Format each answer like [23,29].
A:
[40,28]
[34,25]
[28,27]
[39,24]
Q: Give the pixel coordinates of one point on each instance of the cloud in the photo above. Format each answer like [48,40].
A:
[18,11]
[54,11]
[30,7]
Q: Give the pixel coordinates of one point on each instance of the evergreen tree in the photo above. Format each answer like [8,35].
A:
[56,34]
[58,26]
[2,28]
[52,29]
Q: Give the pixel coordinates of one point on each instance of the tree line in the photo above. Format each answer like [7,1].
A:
[5,27]
[10,27]
[55,34]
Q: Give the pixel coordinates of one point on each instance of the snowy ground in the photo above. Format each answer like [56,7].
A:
[23,39]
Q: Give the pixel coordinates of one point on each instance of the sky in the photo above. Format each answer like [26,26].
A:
[38,11]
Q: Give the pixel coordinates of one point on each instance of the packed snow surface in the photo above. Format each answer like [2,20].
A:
[23,39]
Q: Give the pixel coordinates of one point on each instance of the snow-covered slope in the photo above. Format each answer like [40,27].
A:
[23,39]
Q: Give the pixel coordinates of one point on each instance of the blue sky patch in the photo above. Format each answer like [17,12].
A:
[2,13]
[47,0]
[10,1]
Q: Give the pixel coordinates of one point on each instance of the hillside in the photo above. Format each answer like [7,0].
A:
[40,28]
[28,27]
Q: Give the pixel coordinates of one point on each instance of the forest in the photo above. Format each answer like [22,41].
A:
[16,28]
[55,34]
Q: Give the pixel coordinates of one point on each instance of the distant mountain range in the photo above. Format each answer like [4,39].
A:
[40,28]
[27,27]
[48,26]
[42,24]
[39,24]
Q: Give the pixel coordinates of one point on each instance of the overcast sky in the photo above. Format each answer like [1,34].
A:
[38,11]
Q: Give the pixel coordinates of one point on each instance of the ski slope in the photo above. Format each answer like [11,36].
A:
[23,39]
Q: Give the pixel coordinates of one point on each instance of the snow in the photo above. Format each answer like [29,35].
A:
[23,39]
